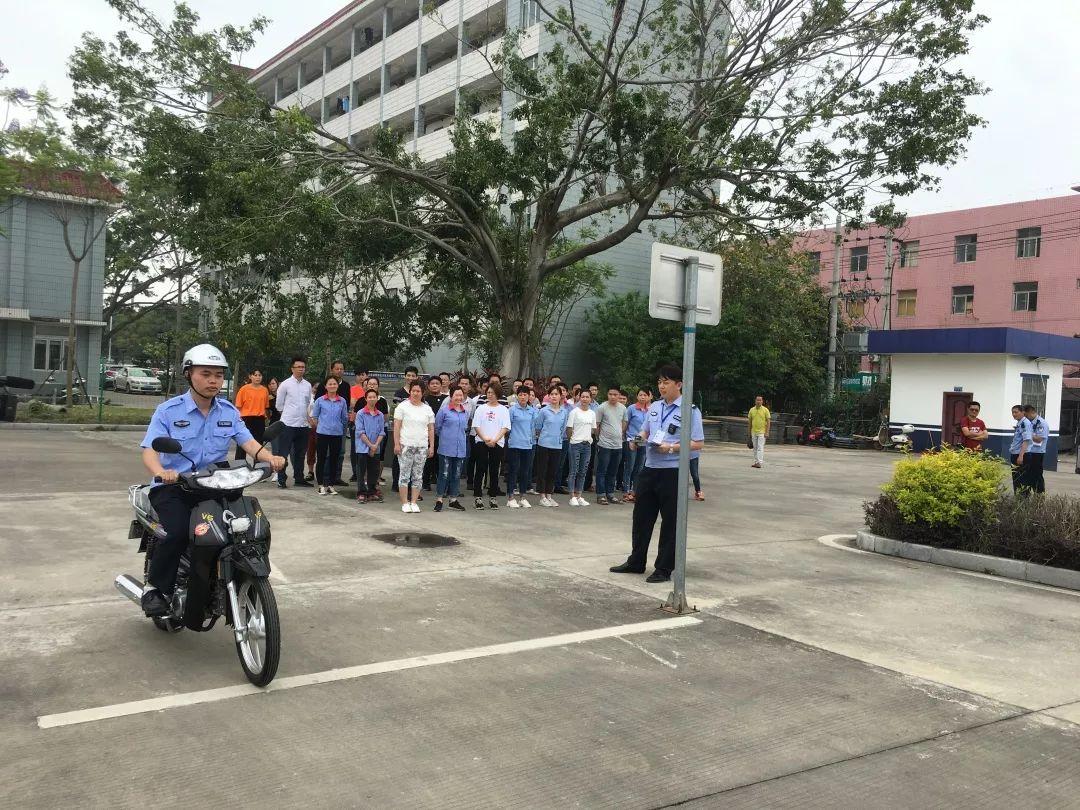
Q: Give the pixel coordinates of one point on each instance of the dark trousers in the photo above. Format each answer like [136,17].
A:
[257,426]
[470,462]
[519,462]
[562,479]
[488,460]
[1034,464]
[547,468]
[656,492]
[431,467]
[695,473]
[592,466]
[607,465]
[623,475]
[293,443]
[368,473]
[173,507]
[327,453]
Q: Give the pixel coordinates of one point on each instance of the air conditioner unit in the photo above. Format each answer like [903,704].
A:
[855,342]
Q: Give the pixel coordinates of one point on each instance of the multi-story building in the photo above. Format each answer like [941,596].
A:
[409,65]
[1014,265]
[37,272]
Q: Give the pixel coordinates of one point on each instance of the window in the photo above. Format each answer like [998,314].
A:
[814,260]
[50,353]
[905,304]
[529,13]
[909,254]
[1025,296]
[860,259]
[965,248]
[1033,391]
[963,300]
[1028,243]
[856,309]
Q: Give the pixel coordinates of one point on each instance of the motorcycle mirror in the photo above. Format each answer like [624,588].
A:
[273,431]
[166,444]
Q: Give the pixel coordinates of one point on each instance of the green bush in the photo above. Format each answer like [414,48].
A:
[946,487]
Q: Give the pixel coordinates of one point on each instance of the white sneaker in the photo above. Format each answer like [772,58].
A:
[406,508]
[525,504]
[552,502]
[331,491]
[582,502]
[322,489]
[544,500]
[512,504]
[574,500]
[414,507]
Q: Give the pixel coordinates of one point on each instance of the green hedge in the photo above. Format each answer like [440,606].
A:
[956,499]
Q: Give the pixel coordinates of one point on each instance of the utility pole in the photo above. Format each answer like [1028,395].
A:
[886,320]
[834,307]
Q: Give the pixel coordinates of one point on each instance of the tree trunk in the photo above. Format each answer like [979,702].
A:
[178,349]
[69,361]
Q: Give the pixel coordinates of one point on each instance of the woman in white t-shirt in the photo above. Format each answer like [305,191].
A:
[414,443]
[491,423]
[580,427]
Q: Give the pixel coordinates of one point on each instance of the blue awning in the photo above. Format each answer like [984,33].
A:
[975,340]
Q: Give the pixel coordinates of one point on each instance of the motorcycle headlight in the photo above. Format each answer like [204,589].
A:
[235,478]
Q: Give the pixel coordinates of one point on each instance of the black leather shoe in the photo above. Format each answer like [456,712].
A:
[302,484]
[282,485]
[562,491]
[626,568]
[153,603]
[658,576]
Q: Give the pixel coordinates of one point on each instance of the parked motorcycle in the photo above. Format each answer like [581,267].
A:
[225,568]
[899,440]
[815,434]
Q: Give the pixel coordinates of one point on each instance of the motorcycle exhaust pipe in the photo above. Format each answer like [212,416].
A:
[129,587]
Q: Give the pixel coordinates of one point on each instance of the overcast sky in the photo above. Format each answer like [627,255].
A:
[1026,55]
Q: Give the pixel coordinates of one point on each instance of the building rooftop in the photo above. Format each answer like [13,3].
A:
[975,340]
[70,182]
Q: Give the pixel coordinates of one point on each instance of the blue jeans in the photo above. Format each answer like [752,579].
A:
[449,482]
[607,468]
[633,461]
[695,474]
[561,478]
[293,443]
[579,463]
[519,466]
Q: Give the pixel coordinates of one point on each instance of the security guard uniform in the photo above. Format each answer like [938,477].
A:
[205,440]
[657,487]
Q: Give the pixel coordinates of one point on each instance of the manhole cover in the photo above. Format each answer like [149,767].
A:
[417,539]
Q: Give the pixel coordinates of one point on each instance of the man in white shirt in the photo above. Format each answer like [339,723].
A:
[293,399]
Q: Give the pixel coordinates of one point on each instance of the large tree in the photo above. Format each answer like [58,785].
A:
[750,115]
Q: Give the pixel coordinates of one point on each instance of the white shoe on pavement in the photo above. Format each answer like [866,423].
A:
[331,491]
[414,507]
[582,502]
[574,500]
[511,503]
[322,489]
[524,504]
[406,508]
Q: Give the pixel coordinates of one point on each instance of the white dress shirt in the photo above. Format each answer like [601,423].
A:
[293,399]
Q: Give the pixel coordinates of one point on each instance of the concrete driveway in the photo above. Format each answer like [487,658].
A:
[513,669]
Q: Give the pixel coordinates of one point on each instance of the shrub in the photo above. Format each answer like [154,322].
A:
[1043,529]
[943,489]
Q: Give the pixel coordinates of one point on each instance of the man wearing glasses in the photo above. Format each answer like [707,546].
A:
[973,428]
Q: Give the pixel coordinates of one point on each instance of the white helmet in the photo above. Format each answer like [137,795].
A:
[203,355]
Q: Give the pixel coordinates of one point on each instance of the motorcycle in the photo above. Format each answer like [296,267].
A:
[225,568]
[901,440]
[815,434]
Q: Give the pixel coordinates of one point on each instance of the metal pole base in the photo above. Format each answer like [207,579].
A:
[676,603]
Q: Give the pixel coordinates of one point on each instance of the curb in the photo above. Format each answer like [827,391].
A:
[70,427]
[970,561]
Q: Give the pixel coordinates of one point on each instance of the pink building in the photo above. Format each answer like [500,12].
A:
[1014,265]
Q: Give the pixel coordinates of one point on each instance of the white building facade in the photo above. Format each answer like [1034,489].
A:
[408,65]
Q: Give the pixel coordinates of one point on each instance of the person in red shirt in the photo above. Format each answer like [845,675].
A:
[973,428]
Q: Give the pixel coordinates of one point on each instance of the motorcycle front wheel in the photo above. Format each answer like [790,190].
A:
[260,650]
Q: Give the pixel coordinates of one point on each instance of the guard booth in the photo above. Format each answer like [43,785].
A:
[937,372]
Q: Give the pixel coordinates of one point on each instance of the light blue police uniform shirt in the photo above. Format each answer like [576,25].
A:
[1039,427]
[205,439]
[1021,434]
[664,417]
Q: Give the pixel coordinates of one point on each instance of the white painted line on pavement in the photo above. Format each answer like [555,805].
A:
[651,655]
[348,673]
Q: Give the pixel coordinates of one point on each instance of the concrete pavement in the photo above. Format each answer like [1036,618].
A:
[818,675]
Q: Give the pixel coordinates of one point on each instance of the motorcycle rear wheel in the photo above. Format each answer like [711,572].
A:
[260,652]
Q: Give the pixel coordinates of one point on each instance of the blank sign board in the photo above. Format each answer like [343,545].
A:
[667,283]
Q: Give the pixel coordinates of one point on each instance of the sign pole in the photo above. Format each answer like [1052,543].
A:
[676,602]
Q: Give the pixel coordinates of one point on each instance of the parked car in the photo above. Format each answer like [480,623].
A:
[136,381]
[110,374]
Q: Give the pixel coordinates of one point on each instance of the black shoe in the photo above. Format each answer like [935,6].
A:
[457,505]
[340,483]
[282,485]
[492,504]
[154,603]
[499,493]
[479,504]
[309,477]
[438,506]
[303,484]
[626,568]
[562,491]
[352,479]
[658,576]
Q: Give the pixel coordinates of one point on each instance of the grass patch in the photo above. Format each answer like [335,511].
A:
[83,414]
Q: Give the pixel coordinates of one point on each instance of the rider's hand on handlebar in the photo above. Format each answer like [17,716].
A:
[169,476]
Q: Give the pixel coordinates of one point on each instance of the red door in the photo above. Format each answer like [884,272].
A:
[953,408]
